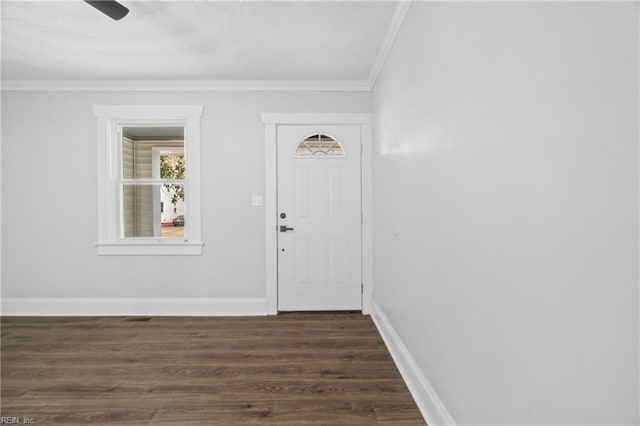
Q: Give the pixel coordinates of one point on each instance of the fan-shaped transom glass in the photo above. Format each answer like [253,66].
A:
[319,145]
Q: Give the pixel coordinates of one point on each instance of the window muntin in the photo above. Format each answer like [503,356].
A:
[319,146]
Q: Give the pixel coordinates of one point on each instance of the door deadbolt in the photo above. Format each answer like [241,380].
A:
[283,215]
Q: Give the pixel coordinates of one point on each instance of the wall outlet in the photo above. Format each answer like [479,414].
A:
[256,200]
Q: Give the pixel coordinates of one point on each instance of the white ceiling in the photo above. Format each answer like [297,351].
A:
[146,132]
[195,40]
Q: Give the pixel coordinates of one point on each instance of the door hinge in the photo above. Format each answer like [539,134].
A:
[361,149]
[361,218]
[361,288]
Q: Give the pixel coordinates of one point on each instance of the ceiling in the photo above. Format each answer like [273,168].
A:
[295,41]
[164,132]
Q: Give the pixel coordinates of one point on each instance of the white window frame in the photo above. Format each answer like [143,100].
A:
[111,119]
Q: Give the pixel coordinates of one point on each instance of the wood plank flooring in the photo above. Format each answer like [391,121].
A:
[309,368]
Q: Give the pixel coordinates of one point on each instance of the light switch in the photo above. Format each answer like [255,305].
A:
[256,200]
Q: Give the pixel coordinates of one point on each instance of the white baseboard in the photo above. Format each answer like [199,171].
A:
[429,404]
[133,306]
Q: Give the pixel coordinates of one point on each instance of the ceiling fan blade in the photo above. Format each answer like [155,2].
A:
[111,8]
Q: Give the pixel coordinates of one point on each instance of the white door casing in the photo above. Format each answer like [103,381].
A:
[272,123]
[319,243]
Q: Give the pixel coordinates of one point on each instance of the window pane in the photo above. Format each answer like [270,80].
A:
[319,146]
[144,147]
[143,215]
[172,165]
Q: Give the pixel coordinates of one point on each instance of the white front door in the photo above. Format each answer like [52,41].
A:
[319,218]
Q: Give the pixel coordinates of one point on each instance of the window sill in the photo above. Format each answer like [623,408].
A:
[150,248]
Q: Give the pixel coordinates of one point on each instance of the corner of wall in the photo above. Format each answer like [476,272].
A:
[387,43]
[425,396]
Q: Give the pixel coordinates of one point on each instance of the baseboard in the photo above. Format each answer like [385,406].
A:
[429,404]
[134,306]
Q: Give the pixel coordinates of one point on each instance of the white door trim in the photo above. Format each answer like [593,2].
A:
[271,123]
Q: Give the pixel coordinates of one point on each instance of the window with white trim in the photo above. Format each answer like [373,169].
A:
[149,179]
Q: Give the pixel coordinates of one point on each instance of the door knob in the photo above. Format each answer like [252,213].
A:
[283,228]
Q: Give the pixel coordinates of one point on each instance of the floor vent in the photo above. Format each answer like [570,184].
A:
[138,319]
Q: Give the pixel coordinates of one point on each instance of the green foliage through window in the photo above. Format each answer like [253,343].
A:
[172,166]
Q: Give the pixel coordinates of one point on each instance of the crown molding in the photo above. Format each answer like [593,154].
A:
[304,118]
[387,43]
[187,85]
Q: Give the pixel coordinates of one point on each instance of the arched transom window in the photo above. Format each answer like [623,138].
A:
[319,145]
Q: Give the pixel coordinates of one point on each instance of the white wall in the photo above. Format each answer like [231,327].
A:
[49,160]
[506,207]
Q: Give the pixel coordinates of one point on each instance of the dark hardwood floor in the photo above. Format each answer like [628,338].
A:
[294,369]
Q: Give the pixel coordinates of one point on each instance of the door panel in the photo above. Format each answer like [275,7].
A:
[335,192]
[319,261]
